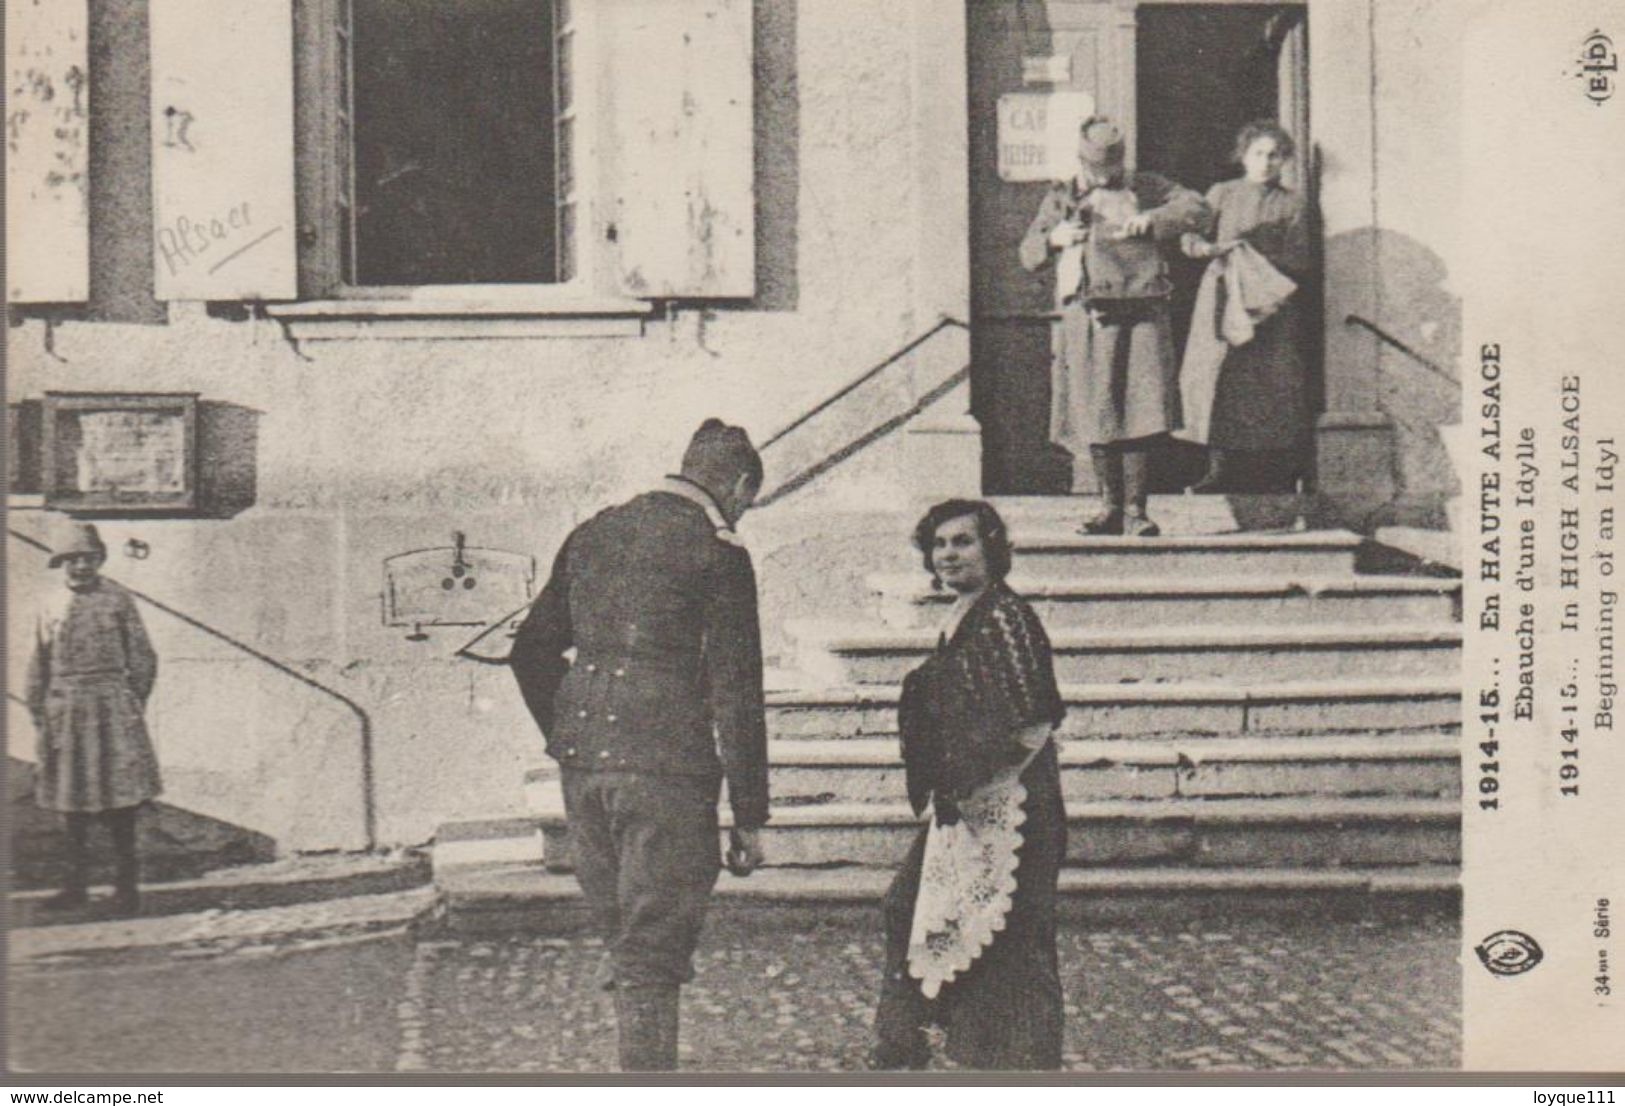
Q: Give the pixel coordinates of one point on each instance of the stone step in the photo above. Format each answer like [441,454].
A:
[1181,708]
[1044,553]
[1411,764]
[1176,514]
[1275,600]
[869,770]
[1281,832]
[836,652]
[525,897]
[278,883]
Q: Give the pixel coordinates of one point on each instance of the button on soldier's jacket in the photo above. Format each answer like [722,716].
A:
[658,599]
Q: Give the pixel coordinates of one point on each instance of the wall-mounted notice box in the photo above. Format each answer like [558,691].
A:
[120,453]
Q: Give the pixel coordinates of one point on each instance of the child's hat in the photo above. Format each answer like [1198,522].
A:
[81,537]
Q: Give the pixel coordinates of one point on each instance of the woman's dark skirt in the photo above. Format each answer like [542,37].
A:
[1005,1012]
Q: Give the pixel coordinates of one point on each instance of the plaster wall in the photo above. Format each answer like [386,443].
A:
[1385,105]
[364,449]
[1419,259]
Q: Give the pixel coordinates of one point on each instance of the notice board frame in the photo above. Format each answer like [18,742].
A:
[62,414]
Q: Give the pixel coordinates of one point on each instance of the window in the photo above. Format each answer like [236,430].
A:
[453,119]
[508,156]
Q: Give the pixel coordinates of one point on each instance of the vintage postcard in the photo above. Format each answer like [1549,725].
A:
[736,536]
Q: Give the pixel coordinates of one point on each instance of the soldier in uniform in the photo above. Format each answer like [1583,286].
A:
[1114,377]
[662,701]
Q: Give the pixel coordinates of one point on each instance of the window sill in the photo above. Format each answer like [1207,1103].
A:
[534,315]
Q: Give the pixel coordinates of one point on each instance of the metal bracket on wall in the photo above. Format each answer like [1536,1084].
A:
[453,585]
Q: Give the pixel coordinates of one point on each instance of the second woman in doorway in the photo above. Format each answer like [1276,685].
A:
[1245,387]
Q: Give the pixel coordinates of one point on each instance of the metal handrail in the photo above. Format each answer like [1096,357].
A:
[862,441]
[368,799]
[811,472]
[868,375]
[1383,335]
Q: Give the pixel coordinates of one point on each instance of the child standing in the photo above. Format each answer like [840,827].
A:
[89,677]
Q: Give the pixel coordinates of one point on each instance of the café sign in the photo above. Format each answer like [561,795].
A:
[1038,134]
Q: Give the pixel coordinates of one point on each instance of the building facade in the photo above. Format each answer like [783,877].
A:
[409,361]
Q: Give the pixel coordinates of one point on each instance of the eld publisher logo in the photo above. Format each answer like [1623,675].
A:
[1599,61]
[1509,952]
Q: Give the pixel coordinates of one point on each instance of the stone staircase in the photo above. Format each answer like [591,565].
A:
[1251,722]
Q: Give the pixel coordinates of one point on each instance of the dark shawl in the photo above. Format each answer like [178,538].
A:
[960,711]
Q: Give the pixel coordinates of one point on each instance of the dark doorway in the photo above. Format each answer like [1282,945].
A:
[1027,58]
[1202,72]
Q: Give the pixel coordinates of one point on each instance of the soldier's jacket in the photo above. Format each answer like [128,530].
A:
[1173,209]
[659,601]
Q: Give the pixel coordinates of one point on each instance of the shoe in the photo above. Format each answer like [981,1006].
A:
[1137,525]
[1217,477]
[879,1059]
[69,898]
[126,903]
[646,1020]
[1108,521]
[1108,465]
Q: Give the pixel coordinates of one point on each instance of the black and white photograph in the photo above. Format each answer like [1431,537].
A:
[833,538]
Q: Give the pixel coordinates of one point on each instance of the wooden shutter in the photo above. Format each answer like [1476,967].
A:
[222,149]
[47,156]
[682,202]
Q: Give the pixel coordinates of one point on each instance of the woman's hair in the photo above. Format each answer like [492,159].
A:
[1263,128]
[989,527]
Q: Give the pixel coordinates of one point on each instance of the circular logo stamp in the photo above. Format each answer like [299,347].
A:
[1509,952]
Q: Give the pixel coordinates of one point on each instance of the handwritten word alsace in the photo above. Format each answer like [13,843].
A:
[183,242]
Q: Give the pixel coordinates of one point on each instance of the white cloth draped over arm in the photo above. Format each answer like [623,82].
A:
[968,874]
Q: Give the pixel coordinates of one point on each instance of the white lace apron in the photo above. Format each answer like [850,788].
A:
[968,876]
[967,881]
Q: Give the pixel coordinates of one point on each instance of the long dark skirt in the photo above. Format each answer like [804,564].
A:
[1005,1012]
[1249,397]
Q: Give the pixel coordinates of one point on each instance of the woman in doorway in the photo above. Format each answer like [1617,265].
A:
[1114,390]
[1246,395]
[970,918]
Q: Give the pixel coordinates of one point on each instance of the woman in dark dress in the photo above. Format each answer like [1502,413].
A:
[970,918]
[1246,397]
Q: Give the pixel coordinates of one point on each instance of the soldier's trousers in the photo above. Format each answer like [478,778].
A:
[647,856]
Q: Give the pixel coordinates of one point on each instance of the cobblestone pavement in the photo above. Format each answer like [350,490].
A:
[1246,994]
[1253,995]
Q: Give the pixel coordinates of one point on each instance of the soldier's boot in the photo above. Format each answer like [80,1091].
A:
[1108,464]
[647,1020]
[127,865]
[72,895]
[1136,486]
